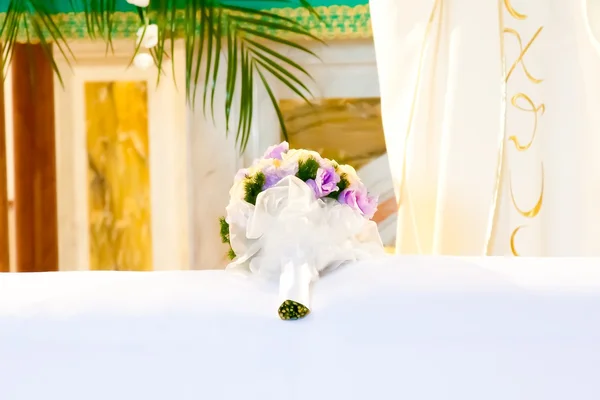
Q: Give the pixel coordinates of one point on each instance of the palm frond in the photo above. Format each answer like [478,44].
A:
[223,39]
[32,18]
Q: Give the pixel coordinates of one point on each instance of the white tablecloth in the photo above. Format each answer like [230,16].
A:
[400,328]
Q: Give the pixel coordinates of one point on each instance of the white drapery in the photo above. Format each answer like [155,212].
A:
[491,111]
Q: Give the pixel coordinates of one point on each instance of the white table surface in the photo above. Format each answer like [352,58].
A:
[399,328]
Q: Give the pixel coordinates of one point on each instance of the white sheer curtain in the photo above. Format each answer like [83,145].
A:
[491,111]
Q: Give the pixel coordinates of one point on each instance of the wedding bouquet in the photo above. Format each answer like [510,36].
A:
[293,215]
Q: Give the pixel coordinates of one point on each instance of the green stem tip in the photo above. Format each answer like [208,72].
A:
[291,310]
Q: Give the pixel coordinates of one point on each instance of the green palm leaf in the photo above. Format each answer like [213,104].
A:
[223,39]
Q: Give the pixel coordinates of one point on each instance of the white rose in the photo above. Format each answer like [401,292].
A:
[148,36]
[294,156]
[238,190]
[350,173]
[139,3]
[143,60]
[261,164]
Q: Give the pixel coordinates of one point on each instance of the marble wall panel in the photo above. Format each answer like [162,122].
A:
[118,175]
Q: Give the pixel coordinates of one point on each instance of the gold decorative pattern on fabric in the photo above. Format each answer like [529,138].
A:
[513,236]
[533,212]
[529,108]
[532,108]
[524,50]
[513,13]
[339,22]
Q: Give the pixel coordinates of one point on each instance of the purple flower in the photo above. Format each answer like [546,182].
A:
[277,150]
[241,174]
[325,182]
[271,179]
[359,200]
[276,172]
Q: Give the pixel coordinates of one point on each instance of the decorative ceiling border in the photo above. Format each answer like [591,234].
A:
[339,22]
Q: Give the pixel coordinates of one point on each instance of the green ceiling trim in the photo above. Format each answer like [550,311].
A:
[339,22]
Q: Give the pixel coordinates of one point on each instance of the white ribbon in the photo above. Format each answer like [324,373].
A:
[292,236]
[294,282]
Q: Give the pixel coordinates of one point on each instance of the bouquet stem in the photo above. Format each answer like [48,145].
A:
[294,290]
